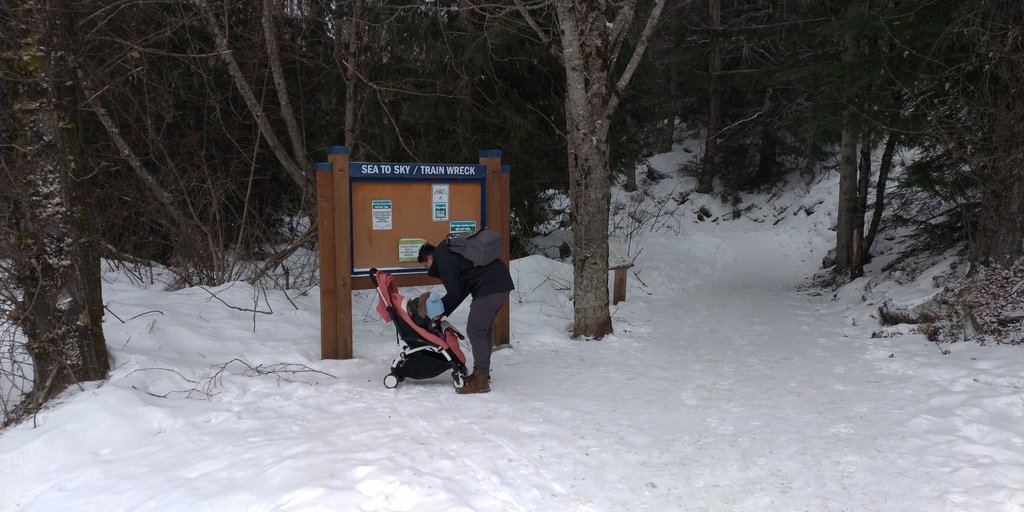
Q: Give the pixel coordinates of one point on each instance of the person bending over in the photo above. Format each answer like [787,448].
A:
[489,285]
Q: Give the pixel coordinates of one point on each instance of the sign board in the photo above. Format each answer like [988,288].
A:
[380,226]
[379,214]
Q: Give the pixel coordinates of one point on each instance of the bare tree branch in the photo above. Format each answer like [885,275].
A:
[274,56]
[162,196]
[300,176]
[524,11]
[638,52]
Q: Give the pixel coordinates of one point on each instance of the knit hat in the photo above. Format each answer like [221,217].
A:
[435,307]
[429,305]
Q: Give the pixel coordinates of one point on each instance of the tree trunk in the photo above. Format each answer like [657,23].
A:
[706,177]
[767,146]
[847,215]
[277,71]
[883,178]
[586,98]
[470,69]
[590,199]
[999,237]
[998,160]
[846,220]
[354,40]
[56,267]
[863,179]
[590,43]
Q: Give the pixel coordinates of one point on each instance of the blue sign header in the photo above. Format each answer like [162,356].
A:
[421,171]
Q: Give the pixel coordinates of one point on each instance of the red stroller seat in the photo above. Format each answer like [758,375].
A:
[424,354]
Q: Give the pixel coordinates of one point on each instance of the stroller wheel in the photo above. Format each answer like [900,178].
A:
[390,381]
[458,379]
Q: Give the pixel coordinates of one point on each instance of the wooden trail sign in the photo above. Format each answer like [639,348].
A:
[378,214]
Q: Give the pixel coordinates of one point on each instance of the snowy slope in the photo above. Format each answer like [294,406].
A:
[723,388]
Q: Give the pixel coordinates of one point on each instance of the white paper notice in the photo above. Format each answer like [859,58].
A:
[381,214]
[439,197]
[409,249]
[439,193]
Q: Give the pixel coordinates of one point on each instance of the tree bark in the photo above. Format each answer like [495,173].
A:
[847,208]
[999,237]
[767,145]
[883,178]
[863,179]
[847,214]
[287,113]
[590,102]
[56,267]
[354,36]
[998,158]
[706,177]
[589,172]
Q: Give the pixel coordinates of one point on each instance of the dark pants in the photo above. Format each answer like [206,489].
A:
[480,328]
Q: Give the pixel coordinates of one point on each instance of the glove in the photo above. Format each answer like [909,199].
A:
[435,308]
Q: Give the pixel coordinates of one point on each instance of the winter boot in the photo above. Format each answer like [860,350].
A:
[478,382]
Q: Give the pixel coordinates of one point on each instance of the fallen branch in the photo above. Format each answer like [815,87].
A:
[207,386]
[214,295]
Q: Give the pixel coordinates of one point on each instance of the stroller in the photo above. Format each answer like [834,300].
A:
[428,349]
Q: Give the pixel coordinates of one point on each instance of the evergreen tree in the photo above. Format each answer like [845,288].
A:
[975,115]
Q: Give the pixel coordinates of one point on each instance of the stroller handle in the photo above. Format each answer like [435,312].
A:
[373,276]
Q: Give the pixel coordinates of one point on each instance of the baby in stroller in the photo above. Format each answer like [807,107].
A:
[428,347]
[424,309]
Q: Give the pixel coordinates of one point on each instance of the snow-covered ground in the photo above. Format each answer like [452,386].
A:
[724,388]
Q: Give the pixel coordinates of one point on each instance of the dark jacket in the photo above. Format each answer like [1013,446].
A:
[462,279]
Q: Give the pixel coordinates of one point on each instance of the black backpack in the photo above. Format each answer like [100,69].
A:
[480,247]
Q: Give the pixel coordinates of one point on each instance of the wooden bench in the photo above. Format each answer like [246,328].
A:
[620,263]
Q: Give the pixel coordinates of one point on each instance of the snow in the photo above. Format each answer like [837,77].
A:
[724,387]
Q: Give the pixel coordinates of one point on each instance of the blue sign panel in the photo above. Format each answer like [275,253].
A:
[421,171]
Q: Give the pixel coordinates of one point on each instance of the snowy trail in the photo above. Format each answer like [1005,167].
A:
[734,412]
[723,388]
[764,404]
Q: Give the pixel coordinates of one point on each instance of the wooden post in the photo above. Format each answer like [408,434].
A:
[342,348]
[498,219]
[620,285]
[620,262]
[328,264]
